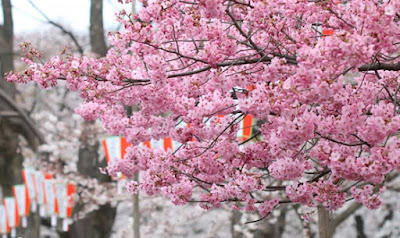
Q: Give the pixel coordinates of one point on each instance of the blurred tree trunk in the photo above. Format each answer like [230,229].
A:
[97,41]
[10,159]
[360,226]
[98,223]
[235,220]
[6,47]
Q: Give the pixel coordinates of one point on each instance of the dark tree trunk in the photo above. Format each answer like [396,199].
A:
[360,227]
[6,47]
[10,160]
[93,225]
[10,127]
[97,41]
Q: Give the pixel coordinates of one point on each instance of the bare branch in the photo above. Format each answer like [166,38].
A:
[65,31]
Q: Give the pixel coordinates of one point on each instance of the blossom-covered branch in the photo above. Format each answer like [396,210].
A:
[320,77]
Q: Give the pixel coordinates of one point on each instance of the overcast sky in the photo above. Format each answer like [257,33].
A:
[72,14]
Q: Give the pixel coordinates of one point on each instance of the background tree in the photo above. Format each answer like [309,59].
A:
[96,29]
[13,121]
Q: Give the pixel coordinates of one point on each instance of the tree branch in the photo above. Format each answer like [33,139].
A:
[26,120]
[69,33]
[380,66]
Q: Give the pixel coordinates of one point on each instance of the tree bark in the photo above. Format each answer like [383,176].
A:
[6,47]
[97,40]
[10,160]
[324,223]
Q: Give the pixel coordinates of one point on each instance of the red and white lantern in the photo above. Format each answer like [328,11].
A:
[246,128]
[39,192]
[11,214]
[22,199]
[29,177]
[50,200]
[65,200]
[115,149]
[4,228]
[165,144]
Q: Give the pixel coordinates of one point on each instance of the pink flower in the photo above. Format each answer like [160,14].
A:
[367,197]
[288,168]
[265,208]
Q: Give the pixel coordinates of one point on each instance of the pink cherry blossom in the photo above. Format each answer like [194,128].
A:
[325,106]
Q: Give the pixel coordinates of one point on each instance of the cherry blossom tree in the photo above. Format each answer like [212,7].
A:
[320,78]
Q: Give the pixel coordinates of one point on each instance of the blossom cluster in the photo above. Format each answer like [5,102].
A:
[367,197]
[327,107]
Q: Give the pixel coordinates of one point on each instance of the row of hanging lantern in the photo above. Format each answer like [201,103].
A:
[40,192]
